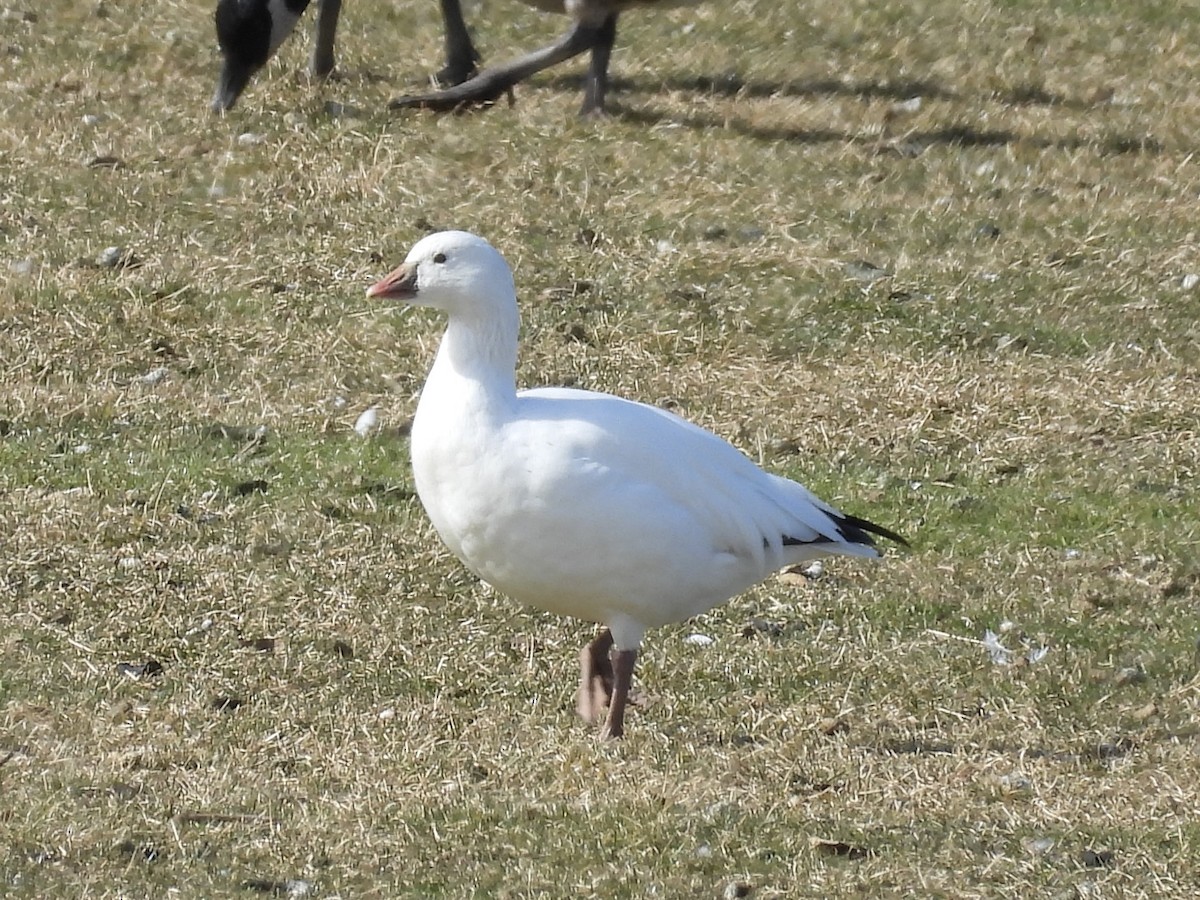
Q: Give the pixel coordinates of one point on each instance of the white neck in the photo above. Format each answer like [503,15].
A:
[476,362]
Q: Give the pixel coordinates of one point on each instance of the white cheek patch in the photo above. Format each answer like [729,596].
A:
[283,22]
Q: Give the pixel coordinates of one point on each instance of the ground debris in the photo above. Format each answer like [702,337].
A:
[238,434]
[1039,845]
[117,258]
[866,271]
[336,110]
[61,616]
[1097,859]
[802,573]
[1149,711]
[288,887]
[574,289]
[827,847]
[1128,675]
[1118,748]
[1015,783]
[148,669]
[381,491]
[831,725]
[1003,656]
[251,486]
[367,421]
[154,376]
[761,626]
[137,850]
[279,549]
[988,230]
[911,746]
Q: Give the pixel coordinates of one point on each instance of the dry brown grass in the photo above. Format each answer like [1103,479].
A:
[343,711]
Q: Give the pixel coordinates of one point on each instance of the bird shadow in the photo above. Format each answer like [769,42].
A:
[731,84]
[911,144]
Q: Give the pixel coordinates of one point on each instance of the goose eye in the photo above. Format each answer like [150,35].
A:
[439,257]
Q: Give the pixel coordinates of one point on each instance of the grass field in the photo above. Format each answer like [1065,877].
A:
[236,661]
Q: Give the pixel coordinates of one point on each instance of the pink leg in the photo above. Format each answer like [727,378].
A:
[622,662]
[595,678]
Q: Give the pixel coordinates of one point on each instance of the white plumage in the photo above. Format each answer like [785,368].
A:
[583,503]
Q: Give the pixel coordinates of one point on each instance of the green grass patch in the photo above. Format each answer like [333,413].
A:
[235,659]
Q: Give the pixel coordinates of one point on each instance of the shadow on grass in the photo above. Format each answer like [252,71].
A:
[731,85]
[912,144]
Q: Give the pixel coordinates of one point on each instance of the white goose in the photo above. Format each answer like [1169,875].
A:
[582,503]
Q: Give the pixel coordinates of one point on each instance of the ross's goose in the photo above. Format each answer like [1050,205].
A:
[582,503]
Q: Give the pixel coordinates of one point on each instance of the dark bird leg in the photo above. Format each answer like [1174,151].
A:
[461,57]
[490,84]
[595,678]
[596,85]
[321,63]
[622,662]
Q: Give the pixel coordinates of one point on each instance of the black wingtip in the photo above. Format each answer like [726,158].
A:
[852,528]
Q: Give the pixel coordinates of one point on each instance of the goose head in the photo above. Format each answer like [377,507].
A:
[454,271]
[248,33]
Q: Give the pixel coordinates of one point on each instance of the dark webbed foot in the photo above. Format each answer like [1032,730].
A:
[454,74]
[595,678]
[479,91]
[605,676]
[622,662]
[494,82]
